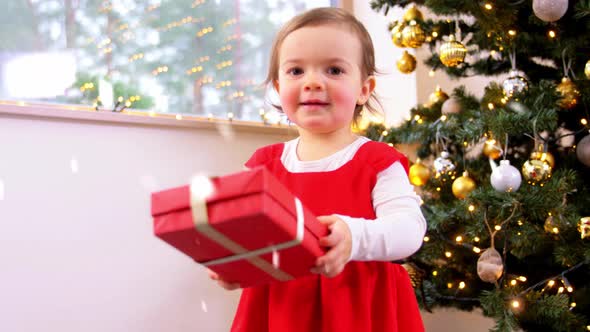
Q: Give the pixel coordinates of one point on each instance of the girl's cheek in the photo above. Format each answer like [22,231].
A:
[288,96]
[344,97]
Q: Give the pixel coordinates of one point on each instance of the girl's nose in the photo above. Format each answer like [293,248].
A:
[313,82]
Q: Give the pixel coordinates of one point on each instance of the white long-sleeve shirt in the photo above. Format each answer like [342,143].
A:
[399,228]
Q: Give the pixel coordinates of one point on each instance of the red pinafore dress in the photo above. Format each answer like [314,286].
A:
[366,296]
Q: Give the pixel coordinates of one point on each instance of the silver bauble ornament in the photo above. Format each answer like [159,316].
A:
[451,106]
[443,165]
[505,178]
[549,10]
[583,150]
[490,266]
[515,84]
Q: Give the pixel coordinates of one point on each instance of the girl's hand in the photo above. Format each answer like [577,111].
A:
[340,243]
[226,285]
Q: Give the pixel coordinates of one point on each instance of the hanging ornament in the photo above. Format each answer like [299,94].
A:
[569,93]
[452,53]
[438,96]
[407,63]
[583,150]
[565,137]
[549,10]
[413,14]
[396,34]
[505,178]
[551,224]
[412,35]
[544,156]
[443,165]
[415,273]
[490,266]
[463,185]
[492,149]
[536,171]
[451,106]
[419,174]
[584,227]
[587,69]
[515,84]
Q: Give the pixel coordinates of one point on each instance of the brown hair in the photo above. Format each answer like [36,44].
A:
[324,16]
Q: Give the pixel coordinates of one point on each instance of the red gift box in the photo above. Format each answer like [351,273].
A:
[250,229]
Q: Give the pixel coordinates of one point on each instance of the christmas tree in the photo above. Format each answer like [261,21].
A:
[504,178]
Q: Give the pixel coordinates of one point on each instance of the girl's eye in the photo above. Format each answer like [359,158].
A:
[295,71]
[335,71]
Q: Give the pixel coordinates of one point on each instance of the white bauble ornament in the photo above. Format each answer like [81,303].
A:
[451,106]
[567,138]
[490,266]
[505,178]
[549,10]
[583,150]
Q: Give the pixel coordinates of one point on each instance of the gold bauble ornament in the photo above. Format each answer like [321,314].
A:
[415,273]
[407,63]
[419,174]
[551,224]
[544,156]
[413,14]
[396,34]
[452,53]
[584,227]
[490,266]
[413,36]
[536,171]
[569,93]
[438,96]
[463,185]
[587,69]
[492,149]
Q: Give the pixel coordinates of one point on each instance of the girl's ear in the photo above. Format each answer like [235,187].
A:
[275,84]
[367,88]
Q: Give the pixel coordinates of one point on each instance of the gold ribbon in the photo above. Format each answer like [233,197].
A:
[201,221]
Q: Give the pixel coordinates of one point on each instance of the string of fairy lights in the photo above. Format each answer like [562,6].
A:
[515,302]
[409,33]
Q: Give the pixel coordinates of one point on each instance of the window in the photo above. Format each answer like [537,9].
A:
[200,57]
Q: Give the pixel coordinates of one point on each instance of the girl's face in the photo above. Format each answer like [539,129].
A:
[319,80]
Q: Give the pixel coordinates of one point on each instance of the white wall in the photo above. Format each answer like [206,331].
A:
[397,91]
[77,251]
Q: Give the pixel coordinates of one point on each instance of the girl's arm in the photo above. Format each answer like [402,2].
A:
[399,228]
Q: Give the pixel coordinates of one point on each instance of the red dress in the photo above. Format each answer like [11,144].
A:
[366,296]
